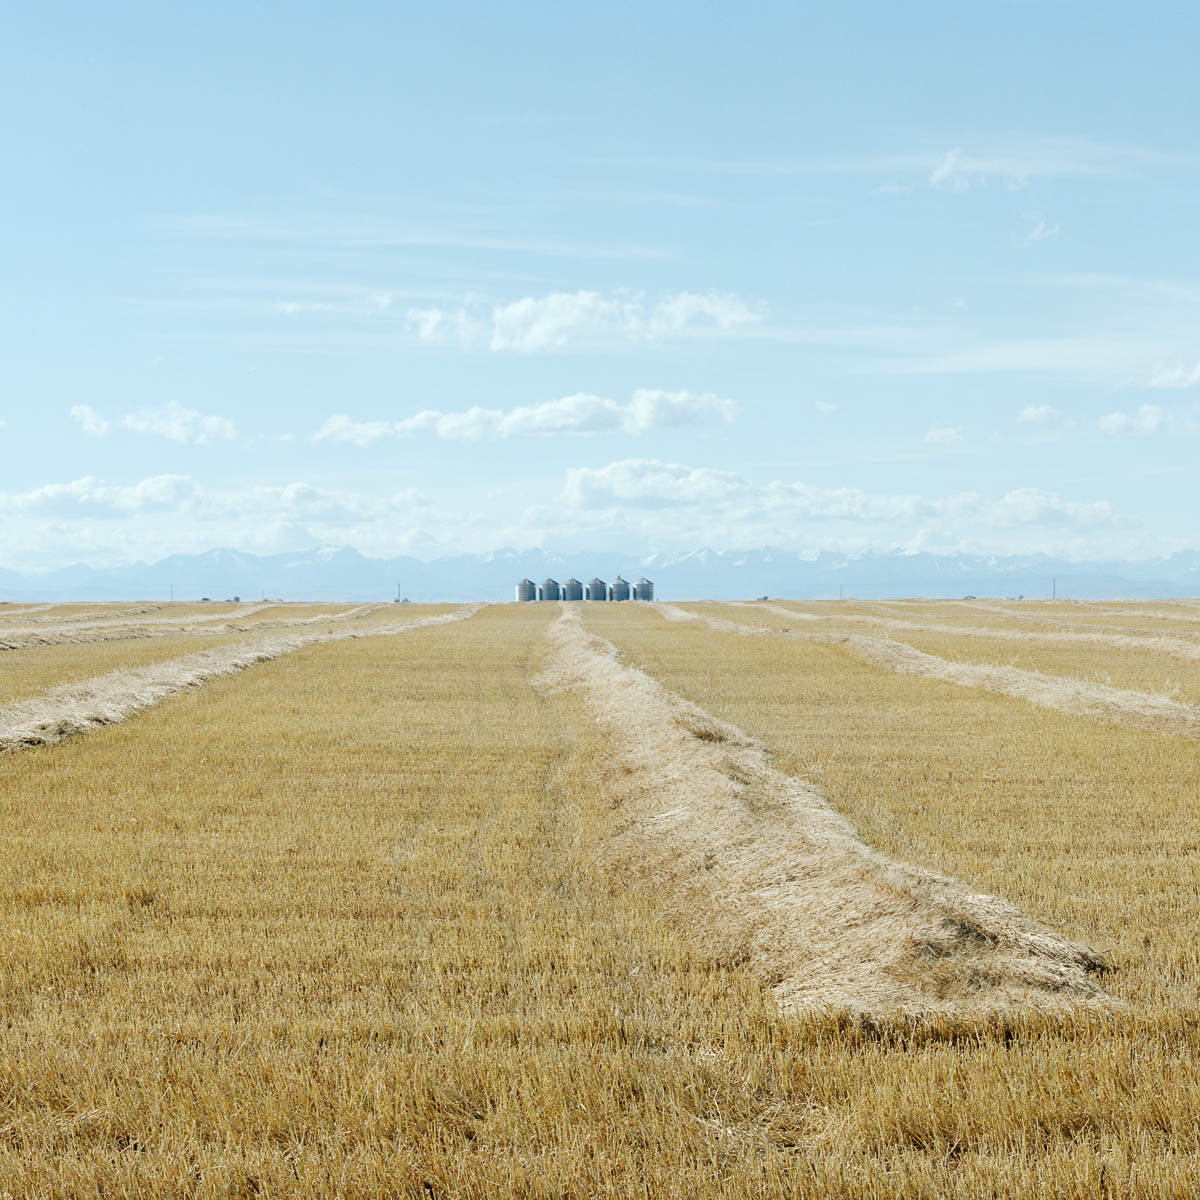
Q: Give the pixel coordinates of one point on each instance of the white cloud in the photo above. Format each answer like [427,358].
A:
[581,413]
[650,483]
[94,498]
[1036,414]
[90,420]
[179,494]
[1148,419]
[699,500]
[824,406]
[1175,377]
[1092,354]
[434,324]
[1041,232]
[557,320]
[633,502]
[951,173]
[957,171]
[179,424]
[341,428]
[944,435]
[551,322]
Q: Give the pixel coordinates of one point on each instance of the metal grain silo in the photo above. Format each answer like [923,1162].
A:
[596,590]
[572,590]
[526,590]
[619,589]
[643,589]
[549,590]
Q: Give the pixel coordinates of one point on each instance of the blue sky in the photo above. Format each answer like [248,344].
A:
[649,277]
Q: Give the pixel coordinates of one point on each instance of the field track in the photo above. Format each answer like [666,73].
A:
[763,863]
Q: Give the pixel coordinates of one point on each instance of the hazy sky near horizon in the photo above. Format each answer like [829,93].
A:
[426,279]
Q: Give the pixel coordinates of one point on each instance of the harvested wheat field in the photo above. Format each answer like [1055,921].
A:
[712,900]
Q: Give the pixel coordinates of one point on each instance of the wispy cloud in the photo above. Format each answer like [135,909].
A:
[953,168]
[1037,414]
[577,414]
[179,424]
[172,421]
[1086,354]
[1041,232]
[89,420]
[944,435]
[536,324]
[1175,377]
[1148,419]
[368,234]
[717,496]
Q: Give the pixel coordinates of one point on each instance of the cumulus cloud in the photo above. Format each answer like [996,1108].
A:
[944,435]
[89,420]
[647,482]
[92,497]
[581,413]
[536,324]
[1175,377]
[551,322]
[436,324]
[179,424]
[1148,419]
[1036,414]
[179,494]
[635,500]
[707,498]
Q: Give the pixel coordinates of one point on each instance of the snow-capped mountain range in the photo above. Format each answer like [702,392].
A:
[342,573]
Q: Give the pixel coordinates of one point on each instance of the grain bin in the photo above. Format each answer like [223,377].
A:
[572,590]
[526,590]
[643,589]
[549,590]
[619,589]
[596,590]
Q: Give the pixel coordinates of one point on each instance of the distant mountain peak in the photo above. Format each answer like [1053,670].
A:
[328,572]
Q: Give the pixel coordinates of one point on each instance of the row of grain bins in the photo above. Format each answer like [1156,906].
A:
[551,589]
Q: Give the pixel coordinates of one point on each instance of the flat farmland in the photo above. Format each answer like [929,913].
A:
[865,900]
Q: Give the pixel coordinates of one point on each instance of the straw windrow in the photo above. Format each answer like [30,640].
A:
[758,863]
[1122,706]
[107,699]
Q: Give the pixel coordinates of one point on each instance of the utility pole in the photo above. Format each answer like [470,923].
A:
[172,593]
[1054,588]
[841,591]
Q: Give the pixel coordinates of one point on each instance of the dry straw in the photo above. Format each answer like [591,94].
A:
[109,630]
[107,699]
[758,864]
[1176,647]
[1076,696]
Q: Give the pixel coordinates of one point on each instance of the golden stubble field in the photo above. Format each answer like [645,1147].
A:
[395,915]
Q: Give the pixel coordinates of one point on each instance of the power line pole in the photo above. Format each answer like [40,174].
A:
[1054,588]
[172,593]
